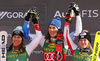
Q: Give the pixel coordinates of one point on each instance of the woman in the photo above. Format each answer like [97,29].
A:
[17,51]
[48,41]
[82,52]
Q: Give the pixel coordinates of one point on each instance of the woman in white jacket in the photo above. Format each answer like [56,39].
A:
[18,51]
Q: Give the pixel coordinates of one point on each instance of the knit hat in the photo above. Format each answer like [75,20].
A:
[18,31]
[85,35]
[56,22]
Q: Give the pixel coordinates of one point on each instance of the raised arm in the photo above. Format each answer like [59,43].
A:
[33,15]
[78,20]
[70,37]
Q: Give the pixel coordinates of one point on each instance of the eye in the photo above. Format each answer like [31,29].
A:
[14,36]
[80,39]
[49,27]
[84,39]
[54,28]
[18,37]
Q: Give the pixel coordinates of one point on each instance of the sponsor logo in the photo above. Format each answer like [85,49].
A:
[11,14]
[96,50]
[52,45]
[50,56]
[3,49]
[84,13]
[83,54]
[68,53]
[37,52]
[82,34]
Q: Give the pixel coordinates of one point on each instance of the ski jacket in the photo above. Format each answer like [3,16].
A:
[49,51]
[81,56]
[29,47]
[49,47]
[77,55]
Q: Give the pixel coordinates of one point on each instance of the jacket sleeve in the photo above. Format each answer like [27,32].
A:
[78,26]
[35,40]
[26,30]
[42,41]
[70,37]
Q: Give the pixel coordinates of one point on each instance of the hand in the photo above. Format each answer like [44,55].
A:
[35,18]
[70,13]
[75,8]
[27,15]
[31,13]
[34,15]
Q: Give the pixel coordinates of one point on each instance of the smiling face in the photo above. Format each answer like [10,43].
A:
[16,39]
[52,31]
[83,43]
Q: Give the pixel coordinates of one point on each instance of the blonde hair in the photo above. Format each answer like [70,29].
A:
[85,31]
[90,47]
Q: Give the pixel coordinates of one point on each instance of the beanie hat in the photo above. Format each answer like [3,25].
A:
[85,35]
[18,31]
[56,22]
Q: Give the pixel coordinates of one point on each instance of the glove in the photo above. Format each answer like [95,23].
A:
[27,15]
[34,15]
[69,14]
[75,8]
[35,18]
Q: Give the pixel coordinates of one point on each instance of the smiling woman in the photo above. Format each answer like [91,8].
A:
[17,36]
[52,31]
[16,40]
[49,42]
[17,50]
[53,27]
[85,40]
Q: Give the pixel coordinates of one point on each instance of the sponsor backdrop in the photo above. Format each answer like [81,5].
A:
[12,13]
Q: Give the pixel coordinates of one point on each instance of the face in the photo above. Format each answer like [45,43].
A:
[52,31]
[16,40]
[83,43]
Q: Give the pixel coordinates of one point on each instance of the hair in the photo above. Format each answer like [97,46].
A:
[85,31]
[89,45]
[47,36]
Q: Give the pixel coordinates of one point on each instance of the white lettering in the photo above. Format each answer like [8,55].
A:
[84,12]
[57,14]
[90,13]
[96,14]
[15,15]
[21,15]
[63,15]
[9,15]
[12,14]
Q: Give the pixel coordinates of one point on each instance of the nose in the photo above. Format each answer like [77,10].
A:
[51,29]
[16,38]
[82,41]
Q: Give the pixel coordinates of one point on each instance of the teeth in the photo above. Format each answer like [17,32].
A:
[16,41]
[51,33]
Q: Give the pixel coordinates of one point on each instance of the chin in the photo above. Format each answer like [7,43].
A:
[53,36]
[83,47]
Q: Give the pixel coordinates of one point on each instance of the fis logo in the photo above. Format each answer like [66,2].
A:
[11,14]
[84,13]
